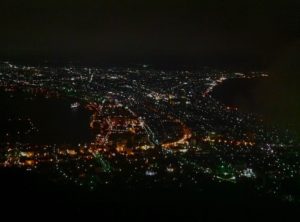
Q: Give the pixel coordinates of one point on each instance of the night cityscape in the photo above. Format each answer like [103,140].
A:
[110,126]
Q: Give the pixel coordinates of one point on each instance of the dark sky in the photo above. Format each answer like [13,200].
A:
[232,33]
[190,31]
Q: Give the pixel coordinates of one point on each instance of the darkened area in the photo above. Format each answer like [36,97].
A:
[30,192]
[200,32]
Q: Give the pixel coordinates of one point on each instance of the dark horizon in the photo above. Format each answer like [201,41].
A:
[165,63]
[231,33]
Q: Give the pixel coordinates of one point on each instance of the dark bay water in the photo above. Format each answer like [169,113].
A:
[55,120]
[241,93]
[271,99]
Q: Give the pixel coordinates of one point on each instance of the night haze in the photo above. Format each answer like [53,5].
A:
[205,32]
[170,106]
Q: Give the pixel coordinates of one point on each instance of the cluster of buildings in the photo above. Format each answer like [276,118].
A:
[153,127]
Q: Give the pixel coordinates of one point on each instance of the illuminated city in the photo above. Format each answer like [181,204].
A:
[150,110]
[150,127]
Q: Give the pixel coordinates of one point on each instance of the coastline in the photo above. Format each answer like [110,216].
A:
[241,93]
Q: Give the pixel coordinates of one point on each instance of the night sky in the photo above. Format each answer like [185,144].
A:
[232,34]
[206,32]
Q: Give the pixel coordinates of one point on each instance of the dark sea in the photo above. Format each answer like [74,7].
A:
[269,98]
[56,122]
[241,93]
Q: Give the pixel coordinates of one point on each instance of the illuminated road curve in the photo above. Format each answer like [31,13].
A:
[187,134]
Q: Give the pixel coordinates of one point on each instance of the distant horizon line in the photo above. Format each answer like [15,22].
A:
[158,63]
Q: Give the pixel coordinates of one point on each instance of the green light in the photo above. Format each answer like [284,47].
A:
[105,165]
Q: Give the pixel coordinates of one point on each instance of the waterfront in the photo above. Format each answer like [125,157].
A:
[42,120]
[266,98]
[154,131]
[241,93]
